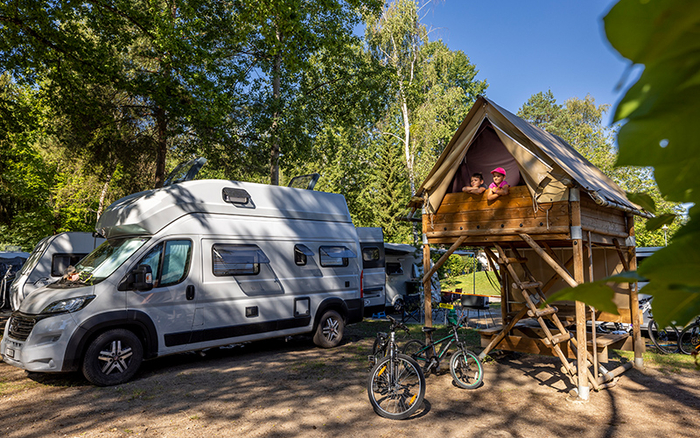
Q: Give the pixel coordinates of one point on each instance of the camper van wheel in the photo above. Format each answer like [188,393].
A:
[398,305]
[113,358]
[329,331]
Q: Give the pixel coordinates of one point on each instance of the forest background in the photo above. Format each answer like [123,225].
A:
[99,100]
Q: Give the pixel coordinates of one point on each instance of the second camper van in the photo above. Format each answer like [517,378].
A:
[49,260]
[190,266]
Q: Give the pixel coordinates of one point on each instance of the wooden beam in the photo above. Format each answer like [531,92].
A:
[621,254]
[444,258]
[550,261]
[577,247]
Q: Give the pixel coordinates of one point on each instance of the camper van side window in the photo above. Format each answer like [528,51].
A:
[169,262]
[233,259]
[60,262]
[334,256]
[301,252]
[394,269]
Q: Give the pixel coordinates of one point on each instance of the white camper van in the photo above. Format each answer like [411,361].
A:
[402,275]
[49,260]
[195,265]
[373,275]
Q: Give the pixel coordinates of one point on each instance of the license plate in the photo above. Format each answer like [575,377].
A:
[10,352]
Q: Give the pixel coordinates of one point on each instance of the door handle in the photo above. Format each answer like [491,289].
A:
[189,292]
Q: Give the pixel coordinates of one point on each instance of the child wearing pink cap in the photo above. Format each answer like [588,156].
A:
[499,186]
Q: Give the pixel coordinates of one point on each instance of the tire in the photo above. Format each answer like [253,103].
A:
[396,390]
[689,339]
[665,340]
[398,305]
[329,331]
[112,358]
[412,348]
[466,369]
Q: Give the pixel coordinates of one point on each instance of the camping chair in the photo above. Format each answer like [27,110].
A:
[478,303]
[411,309]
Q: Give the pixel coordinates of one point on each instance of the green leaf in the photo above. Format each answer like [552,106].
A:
[624,277]
[660,221]
[644,200]
[596,294]
[675,265]
[671,305]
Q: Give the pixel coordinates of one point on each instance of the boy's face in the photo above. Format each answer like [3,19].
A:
[476,181]
[497,178]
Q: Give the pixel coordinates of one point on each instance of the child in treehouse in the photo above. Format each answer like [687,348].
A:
[476,186]
[499,186]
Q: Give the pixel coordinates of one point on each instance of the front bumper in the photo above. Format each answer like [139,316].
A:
[44,348]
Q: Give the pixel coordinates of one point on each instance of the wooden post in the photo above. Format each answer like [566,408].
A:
[593,327]
[427,289]
[634,298]
[577,247]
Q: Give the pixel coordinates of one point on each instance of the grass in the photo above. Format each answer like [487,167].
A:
[666,362]
[482,285]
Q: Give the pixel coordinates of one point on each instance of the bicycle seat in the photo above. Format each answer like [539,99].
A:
[429,329]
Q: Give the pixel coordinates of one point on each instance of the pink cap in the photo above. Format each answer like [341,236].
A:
[500,170]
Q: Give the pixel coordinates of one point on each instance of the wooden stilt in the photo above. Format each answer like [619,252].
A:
[577,247]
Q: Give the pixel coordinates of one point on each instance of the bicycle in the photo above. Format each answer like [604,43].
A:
[396,384]
[689,339]
[664,339]
[465,367]
[382,341]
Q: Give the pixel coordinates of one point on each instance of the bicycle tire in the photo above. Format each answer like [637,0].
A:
[415,349]
[399,394]
[466,369]
[666,339]
[689,339]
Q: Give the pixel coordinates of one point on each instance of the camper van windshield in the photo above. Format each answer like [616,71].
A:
[102,262]
[35,256]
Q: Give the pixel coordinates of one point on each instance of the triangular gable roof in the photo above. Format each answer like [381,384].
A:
[547,163]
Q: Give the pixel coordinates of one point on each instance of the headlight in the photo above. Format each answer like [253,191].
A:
[68,305]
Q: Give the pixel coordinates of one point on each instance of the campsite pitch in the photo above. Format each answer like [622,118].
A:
[290,389]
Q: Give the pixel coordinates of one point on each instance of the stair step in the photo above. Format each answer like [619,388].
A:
[542,312]
[528,285]
[558,339]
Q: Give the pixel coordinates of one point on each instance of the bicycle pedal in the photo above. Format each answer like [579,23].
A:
[372,361]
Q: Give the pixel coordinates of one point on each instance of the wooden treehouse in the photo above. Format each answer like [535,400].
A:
[564,223]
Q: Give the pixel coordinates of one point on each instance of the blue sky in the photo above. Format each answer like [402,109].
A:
[522,47]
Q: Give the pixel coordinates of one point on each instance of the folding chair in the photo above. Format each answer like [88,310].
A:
[412,309]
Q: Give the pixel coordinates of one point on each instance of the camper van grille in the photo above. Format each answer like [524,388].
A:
[21,326]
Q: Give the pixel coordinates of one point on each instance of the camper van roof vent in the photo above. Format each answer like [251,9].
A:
[237,197]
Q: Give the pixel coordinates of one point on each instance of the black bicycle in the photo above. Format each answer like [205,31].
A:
[465,367]
[396,384]
[689,339]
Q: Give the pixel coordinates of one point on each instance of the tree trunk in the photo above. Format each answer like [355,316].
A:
[275,149]
[103,194]
[161,145]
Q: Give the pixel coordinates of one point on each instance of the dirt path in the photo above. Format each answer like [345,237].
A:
[293,389]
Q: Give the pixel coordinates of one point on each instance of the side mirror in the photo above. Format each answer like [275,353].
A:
[140,279]
[143,278]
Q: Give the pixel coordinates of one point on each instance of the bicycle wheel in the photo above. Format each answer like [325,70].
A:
[416,350]
[466,369]
[665,339]
[396,388]
[689,339]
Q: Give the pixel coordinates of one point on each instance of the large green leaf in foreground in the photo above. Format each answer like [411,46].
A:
[659,114]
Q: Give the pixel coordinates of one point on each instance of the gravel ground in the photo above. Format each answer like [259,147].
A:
[289,389]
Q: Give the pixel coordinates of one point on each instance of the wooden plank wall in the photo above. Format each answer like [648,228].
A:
[499,220]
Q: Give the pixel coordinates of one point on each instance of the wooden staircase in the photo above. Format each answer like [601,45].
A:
[554,334]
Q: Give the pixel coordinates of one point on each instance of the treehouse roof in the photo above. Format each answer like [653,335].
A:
[491,137]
